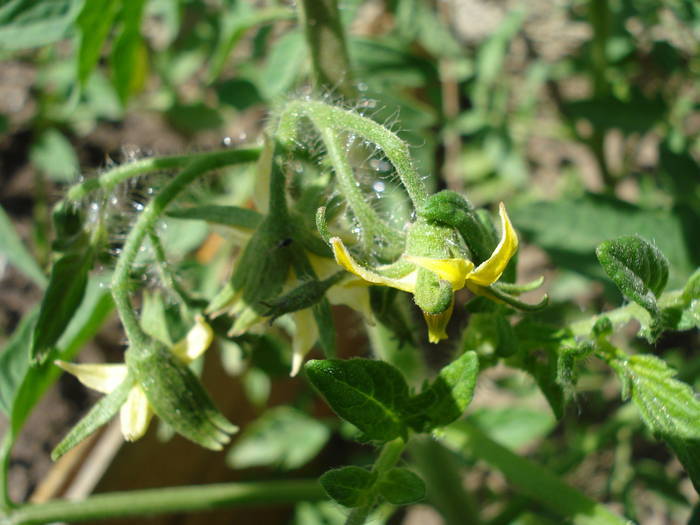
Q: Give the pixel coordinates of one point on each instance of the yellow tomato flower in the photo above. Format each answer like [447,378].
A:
[458,272]
[136,413]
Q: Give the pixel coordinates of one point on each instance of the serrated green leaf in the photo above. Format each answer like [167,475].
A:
[67,284]
[667,406]
[400,486]
[283,437]
[349,486]
[637,267]
[370,394]
[449,395]
[31,23]
[570,230]
[12,249]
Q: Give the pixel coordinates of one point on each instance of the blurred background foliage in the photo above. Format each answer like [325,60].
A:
[583,115]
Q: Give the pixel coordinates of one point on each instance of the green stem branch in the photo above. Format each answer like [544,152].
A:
[388,457]
[326,41]
[109,179]
[165,501]
[144,224]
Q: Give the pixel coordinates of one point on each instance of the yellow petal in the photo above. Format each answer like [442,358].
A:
[195,342]
[305,336]
[406,283]
[489,271]
[135,414]
[103,378]
[454,271]
[437,324]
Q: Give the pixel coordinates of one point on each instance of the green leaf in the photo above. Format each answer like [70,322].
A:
[129,58]
[637,115]
[14,361]
[400,486]
[53,154]
[515,426]
[67,284]
[637,267]
[350,486]
[283,437]
[193,118]
[283,66]
[12,249]
[446,399]
[570,230]
[94,23]
[668,407]
[31,23]
[370,394]
[238,93]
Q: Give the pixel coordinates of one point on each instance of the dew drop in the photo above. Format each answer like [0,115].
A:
[227,141]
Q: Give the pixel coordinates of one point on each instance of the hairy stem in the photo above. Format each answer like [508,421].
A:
[143,225]
[166,501]
[109,179]
[326,116]
[326,41]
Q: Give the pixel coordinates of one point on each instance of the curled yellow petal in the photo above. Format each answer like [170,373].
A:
[489,271]
[406,283]
[437,324]
[103,378]
[454,271]
[135,414]
[195,342]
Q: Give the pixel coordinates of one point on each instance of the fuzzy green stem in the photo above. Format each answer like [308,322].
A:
[531,479]
[370,224]
[166,501]
[326,116]
[144,224]
[109,179]
[388,457]
[624,314]
[326,41]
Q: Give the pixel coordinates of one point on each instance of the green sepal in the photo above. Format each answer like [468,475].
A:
[451,209]
[372,395]
[98,415]
[349,486]
[517,289]
[446,399]
[400,486]
[303,296]
[226,215]
[177,396]
[322,224]
[495,293]
[326,328]
[637,267]
[67,284]
[432,294]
